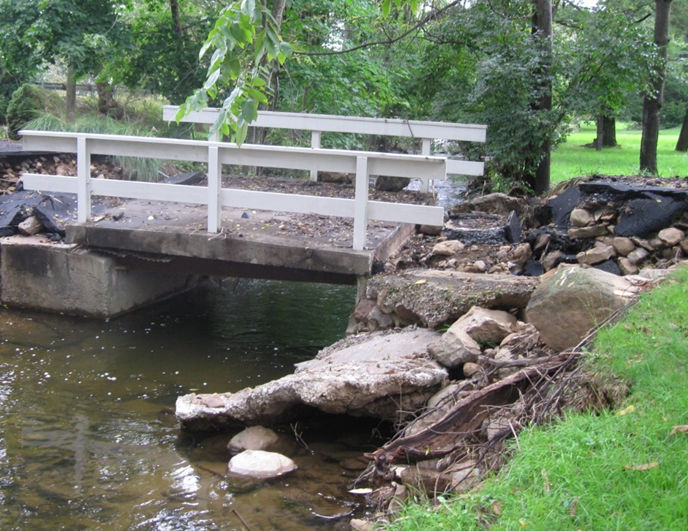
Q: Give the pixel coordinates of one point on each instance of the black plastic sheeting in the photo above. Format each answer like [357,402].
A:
[54,211]
[642,209]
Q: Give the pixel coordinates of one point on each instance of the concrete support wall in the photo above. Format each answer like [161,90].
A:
[68,279]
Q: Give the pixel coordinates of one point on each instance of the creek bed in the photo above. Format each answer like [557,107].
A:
[88,438]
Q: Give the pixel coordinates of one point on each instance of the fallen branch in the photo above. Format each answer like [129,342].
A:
[464,418]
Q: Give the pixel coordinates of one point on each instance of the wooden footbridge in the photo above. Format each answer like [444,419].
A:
[223,231]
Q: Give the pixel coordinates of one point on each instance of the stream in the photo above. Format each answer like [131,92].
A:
[88,437]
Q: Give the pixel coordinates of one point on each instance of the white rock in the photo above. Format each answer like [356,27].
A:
[671,236]
[259,464]
[596,255]
[521,254]
[581,217]
[624,246]
[637,256]
[490,326]
[253,438]
[627,267]
[448,248]
[454,348]
[30,226]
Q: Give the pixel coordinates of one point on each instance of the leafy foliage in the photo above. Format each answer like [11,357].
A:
[240,50]
[17,62]
[151,55]
[27,103]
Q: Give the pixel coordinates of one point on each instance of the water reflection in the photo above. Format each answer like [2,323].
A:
[87,434]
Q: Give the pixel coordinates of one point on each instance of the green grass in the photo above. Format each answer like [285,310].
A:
[611,470]
[572,159]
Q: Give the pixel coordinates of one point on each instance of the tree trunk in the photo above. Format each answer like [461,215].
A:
[542,25]
[174,9]
[70,102]
[682,143]
[653,102]
[599,139]
[609,126]
[606,132]
[106,102]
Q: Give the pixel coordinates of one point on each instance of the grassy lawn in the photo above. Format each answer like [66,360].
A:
[623,469]
[571,159]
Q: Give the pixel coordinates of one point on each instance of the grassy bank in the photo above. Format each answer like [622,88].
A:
[572,159]
[623,469]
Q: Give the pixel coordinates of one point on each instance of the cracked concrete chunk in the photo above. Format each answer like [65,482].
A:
[432,297]
[380,375]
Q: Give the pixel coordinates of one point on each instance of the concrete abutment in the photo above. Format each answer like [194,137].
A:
[66,278]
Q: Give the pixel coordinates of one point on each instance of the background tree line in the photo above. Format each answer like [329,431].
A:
[529,69]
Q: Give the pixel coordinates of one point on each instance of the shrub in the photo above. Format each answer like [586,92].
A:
[26,103]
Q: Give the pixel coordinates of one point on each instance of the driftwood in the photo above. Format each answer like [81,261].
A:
[466,417]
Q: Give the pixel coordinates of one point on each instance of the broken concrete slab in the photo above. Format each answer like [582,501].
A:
[381,375]
[432,297]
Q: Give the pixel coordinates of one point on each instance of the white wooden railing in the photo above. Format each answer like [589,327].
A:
[214,154]
[327,123]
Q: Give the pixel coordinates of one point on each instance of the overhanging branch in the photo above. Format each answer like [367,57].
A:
[429,17]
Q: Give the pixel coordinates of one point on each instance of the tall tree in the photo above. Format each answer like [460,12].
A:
[653,101]
[76,32]
[682,142]
[160,51]
[542,27]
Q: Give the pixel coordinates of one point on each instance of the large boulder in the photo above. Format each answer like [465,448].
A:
[572,300]
[378,375]
[431,297]
[258,464]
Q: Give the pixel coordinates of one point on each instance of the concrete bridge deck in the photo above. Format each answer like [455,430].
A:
[171,237]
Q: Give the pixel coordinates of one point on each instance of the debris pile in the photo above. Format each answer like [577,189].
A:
[616,225]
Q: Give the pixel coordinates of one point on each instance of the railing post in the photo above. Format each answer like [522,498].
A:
[361,203]
[425,150]
[315,143]
[83,173]
[214,189]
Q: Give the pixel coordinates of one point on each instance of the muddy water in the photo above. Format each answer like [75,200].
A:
[87,434]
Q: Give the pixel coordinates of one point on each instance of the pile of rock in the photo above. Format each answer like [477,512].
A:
[621,254]
[620,228]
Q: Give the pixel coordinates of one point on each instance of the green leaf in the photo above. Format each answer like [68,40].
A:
[241,133]
[285,49]
[212,79]
[248,7]
[249,110]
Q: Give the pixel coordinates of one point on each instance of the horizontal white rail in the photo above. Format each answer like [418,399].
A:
[362,163]
[327,123]
[345,124]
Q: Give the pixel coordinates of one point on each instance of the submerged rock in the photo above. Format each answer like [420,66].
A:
[253,438]
[378,375]
[259,464]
